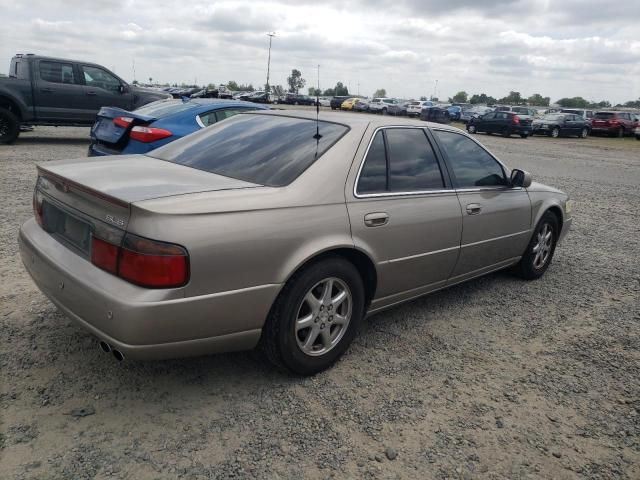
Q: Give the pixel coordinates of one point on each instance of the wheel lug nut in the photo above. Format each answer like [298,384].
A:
[331,318]
[316,320]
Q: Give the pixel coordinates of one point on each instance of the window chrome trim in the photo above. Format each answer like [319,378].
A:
[199,121]
[396,194]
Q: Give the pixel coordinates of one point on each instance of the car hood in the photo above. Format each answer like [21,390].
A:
[134,178]
[149,94]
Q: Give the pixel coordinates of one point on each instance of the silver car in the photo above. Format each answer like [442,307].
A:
[279,230]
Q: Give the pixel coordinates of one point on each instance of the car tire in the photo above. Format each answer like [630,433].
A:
[294,335]
[383,111]
[539,252]
[620,133]
[506,132]
[471,129]
[524,135]
[637,137]
[555,133]
[9,126]
[584,133]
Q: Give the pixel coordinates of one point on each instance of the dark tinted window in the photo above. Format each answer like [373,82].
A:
[472,165]
[489,116]
[604,115]
[373,177]
[263,149]
[412,163]
[56,72]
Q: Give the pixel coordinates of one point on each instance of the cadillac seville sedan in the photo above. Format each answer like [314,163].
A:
[279,230]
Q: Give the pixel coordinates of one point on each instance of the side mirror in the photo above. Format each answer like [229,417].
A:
[520,178]
[123,89]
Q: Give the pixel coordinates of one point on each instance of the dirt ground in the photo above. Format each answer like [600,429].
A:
[496,378]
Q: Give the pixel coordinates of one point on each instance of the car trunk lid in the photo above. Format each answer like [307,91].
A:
[113,126]
[76,198]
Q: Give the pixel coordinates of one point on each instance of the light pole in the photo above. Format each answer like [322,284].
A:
[270,35]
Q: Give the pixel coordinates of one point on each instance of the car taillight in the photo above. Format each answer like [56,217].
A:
[516,119]
[149,134]
[104,255]
[37,208]
[141,261]
[123,122]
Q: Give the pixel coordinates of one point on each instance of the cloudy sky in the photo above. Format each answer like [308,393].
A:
[556,48]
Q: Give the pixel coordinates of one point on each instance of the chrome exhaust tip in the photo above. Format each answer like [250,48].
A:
[118,355]
[104,346]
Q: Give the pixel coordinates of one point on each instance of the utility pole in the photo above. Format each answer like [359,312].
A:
[270,35]
[133,66]
[318,77]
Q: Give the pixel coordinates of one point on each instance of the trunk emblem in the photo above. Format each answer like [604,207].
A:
[119,222]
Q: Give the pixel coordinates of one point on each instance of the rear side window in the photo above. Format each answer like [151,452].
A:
[400,160]
[472,165]
[604,115]
[56,72]
[263,149]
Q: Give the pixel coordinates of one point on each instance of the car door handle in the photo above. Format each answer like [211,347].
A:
[92,94]
[46,90]
[474,208]
[376,219]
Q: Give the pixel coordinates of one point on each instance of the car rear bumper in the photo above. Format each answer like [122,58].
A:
[98,150]
[143,323]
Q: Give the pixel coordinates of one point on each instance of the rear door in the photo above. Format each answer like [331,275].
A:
[103,89]
[58,93]
[484,122]
[404,212]
[496,218]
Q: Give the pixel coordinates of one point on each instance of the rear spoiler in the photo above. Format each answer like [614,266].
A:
[114,112]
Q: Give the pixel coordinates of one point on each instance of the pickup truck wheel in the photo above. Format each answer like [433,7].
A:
[9,126]
[315,317]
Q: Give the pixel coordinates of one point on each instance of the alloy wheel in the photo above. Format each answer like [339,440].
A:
[323,316]
[555,133]
[4,127]
[543,246]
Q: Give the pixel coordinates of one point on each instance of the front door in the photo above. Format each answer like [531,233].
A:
[103,89]
[58,93]
[496,218]
[405,214]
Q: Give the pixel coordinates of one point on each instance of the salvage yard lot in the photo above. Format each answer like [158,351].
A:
[495,378]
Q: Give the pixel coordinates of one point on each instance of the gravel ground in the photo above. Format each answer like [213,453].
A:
[496,378]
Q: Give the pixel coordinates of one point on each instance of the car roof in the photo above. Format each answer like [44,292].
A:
[356,120]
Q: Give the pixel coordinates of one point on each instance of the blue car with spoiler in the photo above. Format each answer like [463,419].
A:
[119,132]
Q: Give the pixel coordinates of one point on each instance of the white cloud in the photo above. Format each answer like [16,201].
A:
[574,47]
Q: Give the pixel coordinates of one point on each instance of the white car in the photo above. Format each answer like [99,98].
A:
[381,105]
[415,108]
[325,101]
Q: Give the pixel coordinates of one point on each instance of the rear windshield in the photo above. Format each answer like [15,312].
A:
[264,149]
[161,109]
[604,115]
[553,116]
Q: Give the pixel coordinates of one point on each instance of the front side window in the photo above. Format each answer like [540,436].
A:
[400,160]
[99,78]
[56,72]
[267,150]
[473,166]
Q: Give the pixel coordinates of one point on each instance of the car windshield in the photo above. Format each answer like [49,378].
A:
[604,115]
[162,109]
[553,116]
[263,149]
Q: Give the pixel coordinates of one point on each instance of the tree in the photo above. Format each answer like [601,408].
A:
[460,97]
[381,92]
[514,98]
[483,98]
[135,82]
[314,92]
[632,104]
[538,100]
[295,81]
[423,99]
[233,85]
[338,91]
[575,102]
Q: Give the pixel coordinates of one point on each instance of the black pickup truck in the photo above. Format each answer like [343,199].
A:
[52,91]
